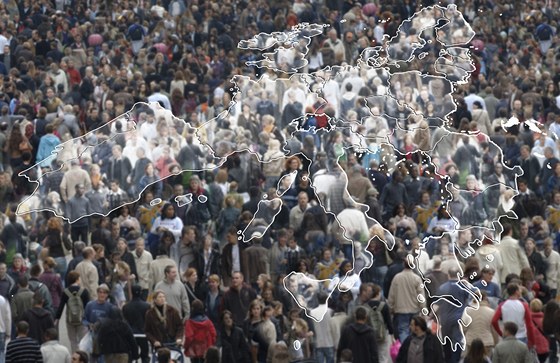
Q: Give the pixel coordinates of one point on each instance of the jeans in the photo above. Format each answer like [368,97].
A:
[379,275]
[324,355]
[401,323]
[2,347]
[61,266]
[79,233]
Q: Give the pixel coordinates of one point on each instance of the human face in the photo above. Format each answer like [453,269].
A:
[236,280]
[228,321]
[75,357]
[213,285]
[121,245]
[160,299]
[140,246]
[102,295]
[256,311]
[3,270]
[172,274]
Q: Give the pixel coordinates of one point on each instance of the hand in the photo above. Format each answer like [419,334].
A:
[179,342]
[157,344]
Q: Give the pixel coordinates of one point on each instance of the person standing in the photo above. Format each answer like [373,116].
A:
[52,350]
[163,324]
[134,313]
[143,259]
[78,211]
[359,338]
[517,311]
[74,312]
[89,275]
[38,318]
[511,349]
[174,291]
[115,338]
[5,326]
[403,292]
[420,345]
[23,349]
[513,257]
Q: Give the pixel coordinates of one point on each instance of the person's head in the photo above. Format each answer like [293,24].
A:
[191,275]
[487,273]
[212,355]
[51,334]
[513,290]
[103,293]
[122,245]
[159,298]
[163,355]
[236,280]
[255,309]
[476,351]
[38,299]
[49,264]
[227,319]
[536,306]
[168,211]
[80,356]
[139,245]
[197,308]
[22,328]
[213,282]
[418,325]
[88,253]
[303,200]
[73,277]
[360,314]
[170,273]
[510,329]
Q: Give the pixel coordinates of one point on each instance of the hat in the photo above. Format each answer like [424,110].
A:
[18,255]
[104,287]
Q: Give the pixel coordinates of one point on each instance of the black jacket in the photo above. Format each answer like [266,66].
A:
[433,352]
[115,336]
[234,347]
[360,339]
[134,313]
[39,321]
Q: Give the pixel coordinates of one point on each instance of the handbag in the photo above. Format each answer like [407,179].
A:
[394,350]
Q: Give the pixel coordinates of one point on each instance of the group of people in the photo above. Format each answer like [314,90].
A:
[301,212]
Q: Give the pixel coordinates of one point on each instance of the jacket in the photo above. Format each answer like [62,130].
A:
[511,350]
[433,352]
[156,331]
[481,325]
[39,321]
[513,257]
[47,144]
[200,335]
[238,301]
[135,313]
[115,336]
[360,339]
[404,289]
[234,347]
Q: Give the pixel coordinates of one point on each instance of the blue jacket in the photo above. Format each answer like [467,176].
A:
[47,144]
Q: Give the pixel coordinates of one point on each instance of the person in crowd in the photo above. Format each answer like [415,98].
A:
[23,348]
[163,323]
[52,350]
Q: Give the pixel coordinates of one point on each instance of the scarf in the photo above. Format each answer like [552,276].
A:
[161,314]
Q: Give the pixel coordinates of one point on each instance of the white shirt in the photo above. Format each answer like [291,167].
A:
[158,97]
[235,261]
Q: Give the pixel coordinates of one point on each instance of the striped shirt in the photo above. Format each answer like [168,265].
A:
[23,350]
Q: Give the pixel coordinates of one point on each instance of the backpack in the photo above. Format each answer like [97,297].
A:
[380,330]
[544,32]
[74,307]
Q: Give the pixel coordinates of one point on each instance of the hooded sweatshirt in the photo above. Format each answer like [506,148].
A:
[360,339]
[200,335]
[39,321]
[47,144]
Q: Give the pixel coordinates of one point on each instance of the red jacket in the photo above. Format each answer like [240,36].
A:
[199,336]
[541,341]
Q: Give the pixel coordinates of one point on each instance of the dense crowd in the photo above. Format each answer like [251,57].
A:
[249,238]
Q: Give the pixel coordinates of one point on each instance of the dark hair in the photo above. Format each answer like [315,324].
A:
[163,355]
[51,334]
[550,320]
[197,308]
[420,322]
[22,327]
[322,297]
[212,355]
[83,356]
[512,288]
[38,298]
[476,351]
[510,327]
[360,313]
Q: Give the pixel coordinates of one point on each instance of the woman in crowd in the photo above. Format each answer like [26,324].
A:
[163,323]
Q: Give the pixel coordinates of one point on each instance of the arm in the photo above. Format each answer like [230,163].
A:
[496,318]
[530,326]
[186,307]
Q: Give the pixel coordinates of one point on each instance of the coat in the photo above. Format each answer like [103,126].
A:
[115,336]
[360,339]
[433,351]
[39,321]
[156,331]
[200,335]
[511,350]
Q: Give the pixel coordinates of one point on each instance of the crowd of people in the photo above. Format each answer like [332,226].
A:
[151,205]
